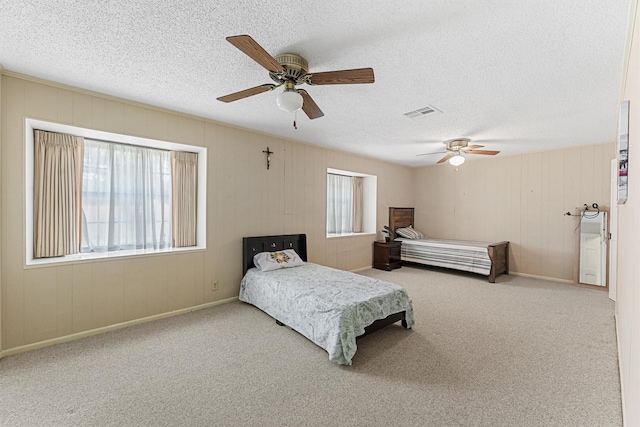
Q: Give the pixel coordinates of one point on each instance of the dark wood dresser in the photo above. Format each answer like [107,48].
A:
[386,255]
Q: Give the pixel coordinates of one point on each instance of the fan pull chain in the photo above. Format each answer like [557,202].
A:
[295,117]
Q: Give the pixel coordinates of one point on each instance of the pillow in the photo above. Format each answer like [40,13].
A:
[266,261]
[410,233]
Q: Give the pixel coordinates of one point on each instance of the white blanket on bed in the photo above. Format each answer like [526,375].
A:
[330,307]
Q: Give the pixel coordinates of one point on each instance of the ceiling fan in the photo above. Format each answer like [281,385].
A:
[455,148]
[291,70]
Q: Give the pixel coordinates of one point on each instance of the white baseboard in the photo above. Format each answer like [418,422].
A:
[85,334]
[535,276]
[357,270]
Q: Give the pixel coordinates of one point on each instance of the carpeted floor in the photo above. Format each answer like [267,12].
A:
[520,352]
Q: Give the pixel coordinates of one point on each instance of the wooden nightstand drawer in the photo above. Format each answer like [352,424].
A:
[386,255]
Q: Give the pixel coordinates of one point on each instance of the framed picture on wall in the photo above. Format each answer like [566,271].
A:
[623,152]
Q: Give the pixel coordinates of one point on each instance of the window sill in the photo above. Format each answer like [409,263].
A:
[104,256]
[338,236]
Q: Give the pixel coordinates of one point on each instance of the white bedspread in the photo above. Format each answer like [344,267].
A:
[330,307]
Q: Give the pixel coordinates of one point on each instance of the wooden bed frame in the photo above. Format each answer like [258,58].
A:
[298,242]
[498,252]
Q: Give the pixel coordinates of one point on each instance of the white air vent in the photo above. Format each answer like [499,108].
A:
[421,112]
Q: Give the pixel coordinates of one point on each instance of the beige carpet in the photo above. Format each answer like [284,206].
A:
[520,352]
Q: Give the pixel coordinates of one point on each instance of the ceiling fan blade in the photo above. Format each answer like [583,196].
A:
[254,51]
[490,152]
[247,92]
[428,154]
[342,77]
[309,106]
[473,147]
[447,157]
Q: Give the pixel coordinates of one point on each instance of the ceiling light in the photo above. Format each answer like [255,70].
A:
[289,101]
[456,160]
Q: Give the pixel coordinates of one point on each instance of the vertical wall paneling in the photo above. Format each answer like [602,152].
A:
[41,101]
[114,117]
[2,107]
[135,288]
[212,140]
[98,295]
[556,222]
[82,114]
[518,198]
[173,283]
[135,121]
[514,195]
[572,199]
[628,273]
[82,296]
[39,310]
[533,211]
[64,300]
[157,285]
[13,320]
[243,198]
[65,106]
[114,292]
[188,287]
[98,113]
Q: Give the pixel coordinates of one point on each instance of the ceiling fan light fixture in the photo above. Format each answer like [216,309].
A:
[289,101]
[456,160]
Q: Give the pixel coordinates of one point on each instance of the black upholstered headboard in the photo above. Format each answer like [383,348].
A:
[255,245]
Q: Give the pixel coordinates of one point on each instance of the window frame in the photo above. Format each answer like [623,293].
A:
[33,124]
[370,184]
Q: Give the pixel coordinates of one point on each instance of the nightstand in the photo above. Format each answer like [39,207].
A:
[386,255]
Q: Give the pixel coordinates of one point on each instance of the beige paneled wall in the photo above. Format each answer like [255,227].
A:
[244,198]
[1,203]
[519,198]
[628,283]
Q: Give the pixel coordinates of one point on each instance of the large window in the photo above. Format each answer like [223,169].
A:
[129,195]
[351,203]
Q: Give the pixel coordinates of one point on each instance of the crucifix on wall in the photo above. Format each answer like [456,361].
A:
[268,153]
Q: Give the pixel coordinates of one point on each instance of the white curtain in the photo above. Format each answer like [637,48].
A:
[339,204]
[126,197]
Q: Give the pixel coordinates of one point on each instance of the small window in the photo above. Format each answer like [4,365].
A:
[351,203]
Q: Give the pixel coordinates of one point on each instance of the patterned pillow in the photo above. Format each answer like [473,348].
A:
[266,261]
[410,233]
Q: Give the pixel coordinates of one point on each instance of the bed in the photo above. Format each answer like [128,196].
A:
[488,259]
[328,306]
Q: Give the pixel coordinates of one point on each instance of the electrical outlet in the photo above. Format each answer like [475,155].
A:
[214,285]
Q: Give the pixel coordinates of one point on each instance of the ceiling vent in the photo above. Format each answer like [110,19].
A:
[421,112]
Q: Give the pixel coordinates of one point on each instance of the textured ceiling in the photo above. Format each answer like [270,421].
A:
[515,76]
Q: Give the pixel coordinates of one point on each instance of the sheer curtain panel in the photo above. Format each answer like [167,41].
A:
[126,197]
[57,181]
[184,168]
[339,204]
